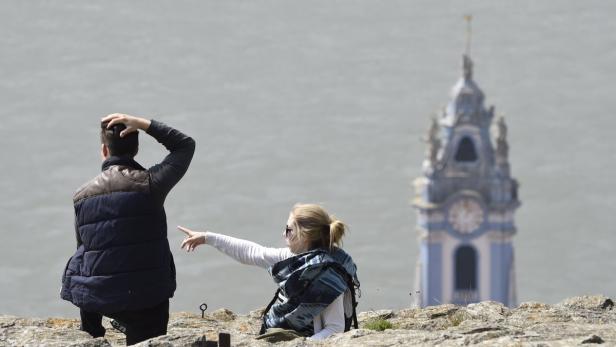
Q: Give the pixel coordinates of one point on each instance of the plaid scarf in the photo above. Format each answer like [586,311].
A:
[308,283]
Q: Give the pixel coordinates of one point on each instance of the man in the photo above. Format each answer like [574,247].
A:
[123,267]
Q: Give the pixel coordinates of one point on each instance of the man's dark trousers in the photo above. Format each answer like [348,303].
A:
[140,324]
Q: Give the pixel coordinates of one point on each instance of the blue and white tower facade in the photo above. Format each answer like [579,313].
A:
[465,202]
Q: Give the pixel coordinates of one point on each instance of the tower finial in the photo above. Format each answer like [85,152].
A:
[467,67]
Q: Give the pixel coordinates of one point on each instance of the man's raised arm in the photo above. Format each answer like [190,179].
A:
[168,173]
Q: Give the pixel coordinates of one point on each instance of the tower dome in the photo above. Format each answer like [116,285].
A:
[466,104]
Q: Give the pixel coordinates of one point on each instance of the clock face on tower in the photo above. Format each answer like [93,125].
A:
[465,215]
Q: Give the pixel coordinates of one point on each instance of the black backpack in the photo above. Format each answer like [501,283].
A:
[353,286]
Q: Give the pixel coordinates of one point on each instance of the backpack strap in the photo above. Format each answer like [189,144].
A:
[267,308]
[354,303]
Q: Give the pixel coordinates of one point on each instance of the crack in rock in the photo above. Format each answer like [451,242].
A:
[481,330]
[593,339]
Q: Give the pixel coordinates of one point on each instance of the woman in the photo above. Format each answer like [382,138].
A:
[315,277]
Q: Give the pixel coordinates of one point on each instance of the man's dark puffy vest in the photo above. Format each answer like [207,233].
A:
[124,262]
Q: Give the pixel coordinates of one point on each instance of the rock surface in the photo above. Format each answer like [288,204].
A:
[586,320]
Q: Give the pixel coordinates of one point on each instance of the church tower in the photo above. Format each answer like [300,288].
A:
[465,202]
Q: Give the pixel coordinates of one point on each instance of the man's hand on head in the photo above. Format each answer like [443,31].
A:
[132,123]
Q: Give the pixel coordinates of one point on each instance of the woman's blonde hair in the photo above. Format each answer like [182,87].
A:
[318,227]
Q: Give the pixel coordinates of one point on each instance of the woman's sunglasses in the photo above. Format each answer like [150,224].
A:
[287,231]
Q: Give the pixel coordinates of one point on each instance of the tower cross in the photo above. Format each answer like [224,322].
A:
[468,18]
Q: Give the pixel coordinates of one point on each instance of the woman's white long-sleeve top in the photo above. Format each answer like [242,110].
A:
[328,322]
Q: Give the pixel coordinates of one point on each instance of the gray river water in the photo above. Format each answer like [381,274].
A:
[313,101]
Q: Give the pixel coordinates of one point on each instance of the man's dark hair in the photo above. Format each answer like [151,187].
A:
[119,146]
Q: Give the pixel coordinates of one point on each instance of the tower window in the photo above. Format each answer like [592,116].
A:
[466,268]
[466,151]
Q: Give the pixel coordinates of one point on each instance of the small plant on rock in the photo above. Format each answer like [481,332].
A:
[378,324]
[457,318]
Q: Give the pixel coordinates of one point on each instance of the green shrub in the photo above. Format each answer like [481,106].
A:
[378,324]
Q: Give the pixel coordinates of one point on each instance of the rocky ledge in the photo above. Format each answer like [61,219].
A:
[574,321]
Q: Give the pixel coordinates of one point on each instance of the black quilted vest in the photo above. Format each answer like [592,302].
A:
[124,261]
